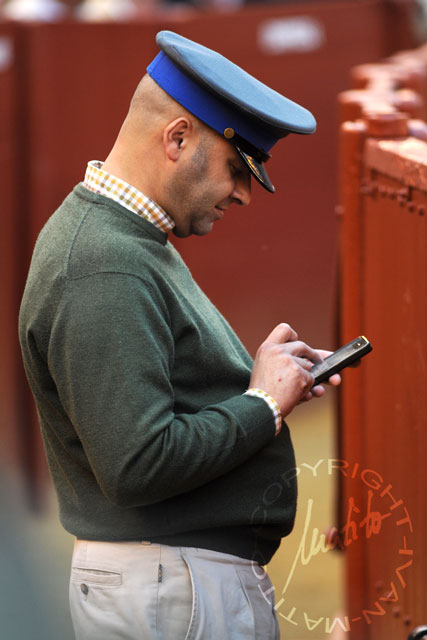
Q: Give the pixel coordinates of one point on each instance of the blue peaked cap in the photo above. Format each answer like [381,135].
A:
[252,116]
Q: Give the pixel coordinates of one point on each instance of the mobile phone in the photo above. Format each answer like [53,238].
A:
[341,358]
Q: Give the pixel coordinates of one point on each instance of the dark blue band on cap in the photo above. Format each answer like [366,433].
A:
[203,104]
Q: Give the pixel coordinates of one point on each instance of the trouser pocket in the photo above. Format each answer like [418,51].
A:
[221,608]
[121,591]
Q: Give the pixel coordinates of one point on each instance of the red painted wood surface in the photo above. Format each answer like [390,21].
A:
[384,404]
[351,398]
[395,420]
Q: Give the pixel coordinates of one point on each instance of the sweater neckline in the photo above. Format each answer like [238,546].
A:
[148,227]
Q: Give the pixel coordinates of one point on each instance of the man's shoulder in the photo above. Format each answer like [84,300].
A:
[95,234]
[92,236]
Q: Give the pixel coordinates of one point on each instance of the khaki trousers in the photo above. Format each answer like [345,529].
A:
[144,591]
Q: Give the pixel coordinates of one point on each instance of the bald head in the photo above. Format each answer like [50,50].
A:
[155,121]
[151,106]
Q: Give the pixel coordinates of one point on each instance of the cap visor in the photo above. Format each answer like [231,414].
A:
[257,170]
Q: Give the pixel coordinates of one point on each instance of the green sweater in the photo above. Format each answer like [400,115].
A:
[138,381]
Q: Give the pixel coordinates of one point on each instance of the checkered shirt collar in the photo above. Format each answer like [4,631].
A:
[108,185]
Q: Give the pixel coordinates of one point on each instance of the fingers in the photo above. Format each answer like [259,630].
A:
[285,335]
[282,368]
[315,392]
[318,391]
[301,349]
[282,333]
[335,380]
[304,363]
[324,353]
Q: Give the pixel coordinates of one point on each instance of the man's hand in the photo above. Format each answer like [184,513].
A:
[282,369]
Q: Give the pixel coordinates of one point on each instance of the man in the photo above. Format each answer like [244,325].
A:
[161,434]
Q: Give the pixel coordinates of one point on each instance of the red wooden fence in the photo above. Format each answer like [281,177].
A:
[383,294]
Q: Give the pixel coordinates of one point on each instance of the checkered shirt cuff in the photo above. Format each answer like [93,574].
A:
[259,393]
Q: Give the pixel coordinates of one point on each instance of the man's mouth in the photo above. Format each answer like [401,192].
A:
[220,212]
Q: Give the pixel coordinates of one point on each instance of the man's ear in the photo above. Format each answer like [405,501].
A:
[176,137]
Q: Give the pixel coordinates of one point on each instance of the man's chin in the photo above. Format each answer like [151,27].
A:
[196,230]
[179,233]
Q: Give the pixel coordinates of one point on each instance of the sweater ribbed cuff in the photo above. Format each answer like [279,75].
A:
[259,393]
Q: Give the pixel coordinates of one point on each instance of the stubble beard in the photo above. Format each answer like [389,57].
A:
[189,193]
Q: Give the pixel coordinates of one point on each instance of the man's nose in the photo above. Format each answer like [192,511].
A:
[242,189]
